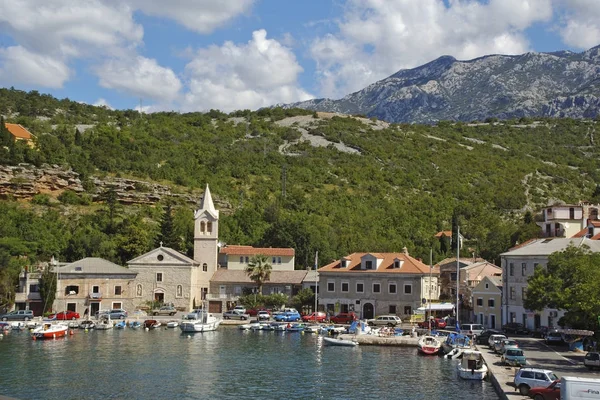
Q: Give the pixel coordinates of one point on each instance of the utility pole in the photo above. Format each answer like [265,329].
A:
[283,179]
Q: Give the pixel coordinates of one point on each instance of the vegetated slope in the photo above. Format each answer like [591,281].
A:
[398,186]
[560,84]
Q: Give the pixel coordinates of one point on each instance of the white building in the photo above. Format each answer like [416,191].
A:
[518,264]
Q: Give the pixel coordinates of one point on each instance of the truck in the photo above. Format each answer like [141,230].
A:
[572,388]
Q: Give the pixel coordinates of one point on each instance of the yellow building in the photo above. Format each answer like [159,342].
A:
[487,302]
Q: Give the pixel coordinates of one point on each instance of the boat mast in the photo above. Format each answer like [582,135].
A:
[316,281]
[457,274]
[430,269]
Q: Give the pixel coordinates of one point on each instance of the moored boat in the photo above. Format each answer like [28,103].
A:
[172,324]
[472,366]
[201,321]
[49,331]
[87,324]
[121,325]
[151,324]
[339,342]
[456,341]
[429,345]
[104,323]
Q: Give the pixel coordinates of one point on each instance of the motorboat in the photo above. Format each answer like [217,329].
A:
[104,323]
[428,344]
[87,324]
[329,341]
[202,321]
[456,341]
[135,324]
[172,324]
[49,331]
[312,328]
[121,325]
[472,365]
[245,327]
[151,324]
[295,328]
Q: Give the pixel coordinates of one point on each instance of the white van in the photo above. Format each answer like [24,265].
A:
[579,388]
[471,329]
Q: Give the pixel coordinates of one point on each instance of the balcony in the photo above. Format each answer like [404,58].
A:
[95,296]
[23,297]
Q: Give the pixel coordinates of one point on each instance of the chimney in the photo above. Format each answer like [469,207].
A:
[405,250]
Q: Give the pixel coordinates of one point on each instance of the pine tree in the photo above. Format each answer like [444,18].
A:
[168,236]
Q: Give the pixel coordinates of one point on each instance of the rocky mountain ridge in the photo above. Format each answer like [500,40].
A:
[559,84]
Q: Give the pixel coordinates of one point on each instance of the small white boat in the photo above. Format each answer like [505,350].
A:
[339,342]
[49,331]
[105,323]
[87,324]
[429,345]
[202,321]
[172,324]
[312,328]
[245,327]
[472,365]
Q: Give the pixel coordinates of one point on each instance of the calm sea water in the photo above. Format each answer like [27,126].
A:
[226,364]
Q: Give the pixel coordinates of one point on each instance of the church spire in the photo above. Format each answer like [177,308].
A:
[207,203]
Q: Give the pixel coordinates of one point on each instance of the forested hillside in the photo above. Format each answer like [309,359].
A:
[372,187]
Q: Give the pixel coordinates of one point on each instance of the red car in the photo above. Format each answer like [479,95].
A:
[438,323]
[64,315]
[253,312]
[551,392]
[344,318]
[318,316]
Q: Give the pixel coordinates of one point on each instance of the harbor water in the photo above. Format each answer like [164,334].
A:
[226,364]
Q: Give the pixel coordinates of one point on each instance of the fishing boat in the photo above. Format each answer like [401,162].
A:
[151,324]
[104,323]
[49,331]
[329,341]
[429,345]
[87,324]
[201,321]
[472,365]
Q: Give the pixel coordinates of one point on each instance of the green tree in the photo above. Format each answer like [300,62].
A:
[47,288]
[168,235]
[259,270]
[305,299]
[570,282]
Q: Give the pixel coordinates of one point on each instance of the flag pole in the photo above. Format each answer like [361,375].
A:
[316,281]
[457,275]
[430,270]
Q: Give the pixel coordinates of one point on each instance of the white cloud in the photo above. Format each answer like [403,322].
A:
[253,75]
[581,24]
[139,76]
[19,65]
[378,37]
[202,16]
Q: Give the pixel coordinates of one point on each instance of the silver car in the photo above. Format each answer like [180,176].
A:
[235,314]
[385,320]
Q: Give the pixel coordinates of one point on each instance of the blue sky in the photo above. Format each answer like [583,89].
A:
[194,55]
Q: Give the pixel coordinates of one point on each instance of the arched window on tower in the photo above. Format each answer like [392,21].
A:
[202,227]
[205,267]
[139,291]
[209,227]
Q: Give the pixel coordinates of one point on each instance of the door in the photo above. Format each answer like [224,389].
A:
[159,297]
[492,321]
[215,307]
[368,311]
[537,321]
[94,307]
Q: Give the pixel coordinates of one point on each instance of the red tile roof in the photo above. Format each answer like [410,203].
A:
[249,250]
[581,233]
[443,233]
[411,265]
[18,131]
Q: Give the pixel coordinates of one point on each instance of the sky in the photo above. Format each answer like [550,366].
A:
[197,55]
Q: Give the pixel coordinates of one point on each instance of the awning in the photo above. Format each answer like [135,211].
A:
[438,307]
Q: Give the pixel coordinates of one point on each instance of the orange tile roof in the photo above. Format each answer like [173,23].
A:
[443,233]
[595,223]
[595,237]
[581,233]
[18,131]
[411,265]
[249,250]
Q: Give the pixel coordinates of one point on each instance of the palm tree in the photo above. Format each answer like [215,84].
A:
[259,270]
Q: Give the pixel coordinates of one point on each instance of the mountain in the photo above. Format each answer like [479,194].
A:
[560,84]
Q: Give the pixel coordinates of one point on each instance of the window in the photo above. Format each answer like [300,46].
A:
[512,293]
[407,310]
[511,269]
[274,260]
[345,287]
[138,291]
[72,288]
[159,277]
[523,293]
[209,227]
[160,257]
[392,288]
[523,269]
[480,302]
[237,290]
[369,264]
[117,306]
[118,290]
[376,288]
[360,288]
[392,309]
[487,285]
[241,260]
[278,260]
[491,303]
[34,288]
[95,289]
[202,226]
[246,260]
[524,319]
[204,293]
[407,288]
[331,286]
[179,292]
[453,276]
[204,267]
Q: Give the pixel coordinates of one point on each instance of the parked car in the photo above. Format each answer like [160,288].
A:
[318,316]
[592,360]
[515,327]
[484,337]
[528,377]
[253,312]
[437,323]
[540,332]
[288,316]
[17,315]
[513,356]
[242,309]
[235,314]
[344,318]
[471,329]
[504,343]
[263,315]
[164,310]
[551,392]
[64,315]
[554,337]
[117,313]
[385,320]
[495,339]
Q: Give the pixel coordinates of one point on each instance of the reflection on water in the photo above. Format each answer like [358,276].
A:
[226,364]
